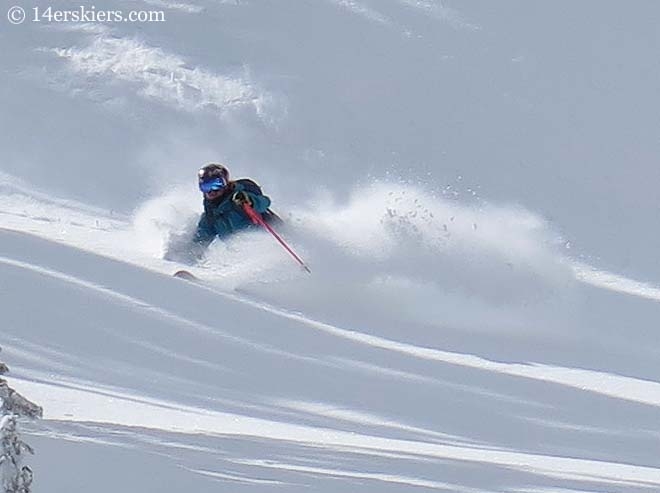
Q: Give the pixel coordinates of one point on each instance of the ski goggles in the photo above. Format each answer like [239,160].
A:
[212,185]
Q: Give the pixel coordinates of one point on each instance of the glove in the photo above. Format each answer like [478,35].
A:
[241,198]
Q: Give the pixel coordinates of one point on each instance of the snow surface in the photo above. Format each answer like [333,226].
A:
[463,329]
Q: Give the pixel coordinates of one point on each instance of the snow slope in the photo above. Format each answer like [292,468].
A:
[472,185]
[184,386]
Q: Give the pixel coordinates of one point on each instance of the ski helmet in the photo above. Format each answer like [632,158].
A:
[213,177]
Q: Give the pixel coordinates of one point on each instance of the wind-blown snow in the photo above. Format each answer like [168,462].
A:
[183,6]
[161,76]
[364,11]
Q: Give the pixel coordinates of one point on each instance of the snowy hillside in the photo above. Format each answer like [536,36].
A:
[472,185]
[291,382]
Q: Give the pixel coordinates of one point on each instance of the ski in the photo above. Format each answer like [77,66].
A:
[188,276]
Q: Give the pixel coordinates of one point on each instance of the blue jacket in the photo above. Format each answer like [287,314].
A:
[223,217]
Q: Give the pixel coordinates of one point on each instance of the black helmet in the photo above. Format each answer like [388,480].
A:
[213,177]
[213,170]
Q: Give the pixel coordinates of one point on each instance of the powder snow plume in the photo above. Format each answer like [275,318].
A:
[407,254]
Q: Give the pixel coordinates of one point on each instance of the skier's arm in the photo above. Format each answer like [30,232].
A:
[205,232]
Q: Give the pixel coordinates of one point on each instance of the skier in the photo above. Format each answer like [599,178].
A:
[223,205]
[229,206]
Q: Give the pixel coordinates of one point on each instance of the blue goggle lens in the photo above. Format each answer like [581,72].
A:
[212,185]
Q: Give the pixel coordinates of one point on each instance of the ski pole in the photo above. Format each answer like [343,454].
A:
[257,219]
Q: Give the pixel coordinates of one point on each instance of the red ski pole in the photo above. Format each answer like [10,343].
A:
[257,219]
